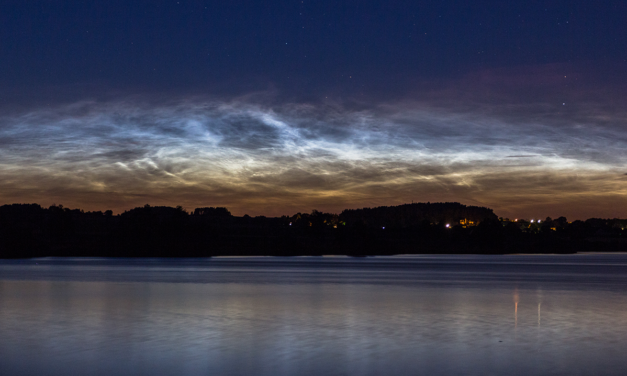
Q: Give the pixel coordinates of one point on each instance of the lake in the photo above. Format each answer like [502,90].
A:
[412,315]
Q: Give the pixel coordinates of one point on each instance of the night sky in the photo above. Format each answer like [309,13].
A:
[275,107]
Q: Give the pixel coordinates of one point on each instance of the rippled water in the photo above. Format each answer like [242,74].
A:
[472,315]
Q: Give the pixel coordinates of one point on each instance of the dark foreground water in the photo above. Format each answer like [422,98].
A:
[470,315]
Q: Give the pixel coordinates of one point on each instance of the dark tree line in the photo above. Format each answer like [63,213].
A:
[29,230]
[411,215]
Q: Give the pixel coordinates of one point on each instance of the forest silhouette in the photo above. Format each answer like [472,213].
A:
[29,230]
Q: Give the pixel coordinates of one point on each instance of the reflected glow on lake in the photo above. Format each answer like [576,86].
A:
[472,315]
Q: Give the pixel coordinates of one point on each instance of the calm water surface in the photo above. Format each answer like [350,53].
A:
[421,315]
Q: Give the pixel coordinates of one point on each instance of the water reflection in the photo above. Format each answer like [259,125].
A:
[516,297]
[539,313]
[332,317]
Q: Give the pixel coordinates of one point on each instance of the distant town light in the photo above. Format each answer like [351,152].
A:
[516,220]
[447,225]
[539,221]
[290,223]
[383,227]
[532,221]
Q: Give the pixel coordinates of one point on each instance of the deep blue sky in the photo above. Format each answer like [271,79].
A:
[307,46]
[273,107]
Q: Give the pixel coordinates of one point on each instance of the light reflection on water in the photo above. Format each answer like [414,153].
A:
[475,315]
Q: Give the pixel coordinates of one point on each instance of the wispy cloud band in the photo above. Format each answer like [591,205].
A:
[278,158]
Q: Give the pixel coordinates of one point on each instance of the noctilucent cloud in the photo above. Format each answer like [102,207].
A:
[270,109]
